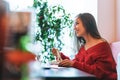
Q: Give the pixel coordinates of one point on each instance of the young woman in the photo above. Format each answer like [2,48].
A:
[94,56]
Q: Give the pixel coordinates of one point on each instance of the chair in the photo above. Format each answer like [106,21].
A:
[115,46]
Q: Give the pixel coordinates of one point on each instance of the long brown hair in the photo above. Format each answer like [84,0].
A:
[89,24]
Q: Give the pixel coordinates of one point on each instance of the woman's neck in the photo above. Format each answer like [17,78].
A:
[90,41]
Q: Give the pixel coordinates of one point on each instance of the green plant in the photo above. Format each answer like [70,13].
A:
[51,20]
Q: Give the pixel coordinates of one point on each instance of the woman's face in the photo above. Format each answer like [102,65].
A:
[79,28]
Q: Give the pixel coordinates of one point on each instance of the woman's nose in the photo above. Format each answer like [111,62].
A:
[74,27]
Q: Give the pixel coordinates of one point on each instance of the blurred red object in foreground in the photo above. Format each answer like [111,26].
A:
[18,57]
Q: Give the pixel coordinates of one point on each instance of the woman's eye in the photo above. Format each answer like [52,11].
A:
[76,23]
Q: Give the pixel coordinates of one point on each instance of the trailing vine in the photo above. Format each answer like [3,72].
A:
[51,20]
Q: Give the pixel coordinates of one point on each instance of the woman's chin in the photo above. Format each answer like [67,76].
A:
[78,35]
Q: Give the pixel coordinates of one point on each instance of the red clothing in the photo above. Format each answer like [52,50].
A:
[97,60]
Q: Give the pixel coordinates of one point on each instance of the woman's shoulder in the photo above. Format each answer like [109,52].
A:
[102,44]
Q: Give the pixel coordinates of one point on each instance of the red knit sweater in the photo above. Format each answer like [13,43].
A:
[97,60]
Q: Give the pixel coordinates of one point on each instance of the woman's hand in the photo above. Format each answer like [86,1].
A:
[57,54]
[54,51]
[66,63]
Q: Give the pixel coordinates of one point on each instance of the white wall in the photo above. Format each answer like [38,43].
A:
[74,7]
[118,20]
[107,19]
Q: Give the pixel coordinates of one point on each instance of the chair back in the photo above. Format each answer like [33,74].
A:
[115,46]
